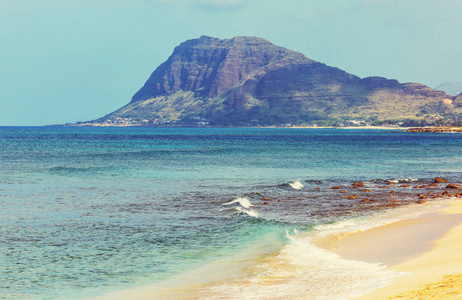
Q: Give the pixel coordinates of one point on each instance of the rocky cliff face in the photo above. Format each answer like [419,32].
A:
[210,66]
[248,80]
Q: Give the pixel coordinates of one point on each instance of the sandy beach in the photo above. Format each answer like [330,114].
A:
[428,248]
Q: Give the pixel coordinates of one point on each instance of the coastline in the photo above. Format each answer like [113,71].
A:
[424,247]
[208,126]
[427,248]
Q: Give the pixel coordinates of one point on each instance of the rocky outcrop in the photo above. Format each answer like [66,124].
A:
[435,129]
[357,185]
[453,186]
[440,180]
[250,81]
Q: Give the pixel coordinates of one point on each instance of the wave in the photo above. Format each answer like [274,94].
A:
[249,212]
[244,202]
[242,206]
[313,181]
[393,180]
[302,270]
[297,185]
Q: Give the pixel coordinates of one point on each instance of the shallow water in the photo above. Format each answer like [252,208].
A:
[86,211]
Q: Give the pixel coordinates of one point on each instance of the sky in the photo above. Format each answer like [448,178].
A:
[64,61]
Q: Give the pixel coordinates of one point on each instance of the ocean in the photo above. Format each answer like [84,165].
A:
[205,213]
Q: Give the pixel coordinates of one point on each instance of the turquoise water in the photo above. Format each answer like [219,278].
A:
[85,211]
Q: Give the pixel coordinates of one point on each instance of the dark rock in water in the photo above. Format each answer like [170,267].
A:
[352,197]
[405,185]
[250,81]
[357,185]
[368,200]
[335,187]
[420,201]
[452,186]
[440,180]
[433,184]
[446,193]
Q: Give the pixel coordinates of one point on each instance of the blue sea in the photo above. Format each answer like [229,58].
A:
[203,213]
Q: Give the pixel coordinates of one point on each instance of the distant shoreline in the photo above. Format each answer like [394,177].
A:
[208,126]
[405,129]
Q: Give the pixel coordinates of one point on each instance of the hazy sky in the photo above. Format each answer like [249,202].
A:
[75,60]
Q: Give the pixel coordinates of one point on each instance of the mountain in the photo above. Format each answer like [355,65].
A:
[250,81]
[451,88]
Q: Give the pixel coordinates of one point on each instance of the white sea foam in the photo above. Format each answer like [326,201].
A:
[296,185]
[249,212]
[382,218]
[393,180]
[303,271]
[404,180]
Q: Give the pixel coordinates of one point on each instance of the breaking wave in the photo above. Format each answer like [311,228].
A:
[242,206]
[300,271]
[393,180]
[297,185]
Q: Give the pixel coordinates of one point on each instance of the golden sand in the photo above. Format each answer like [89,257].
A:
[449,288]
[435,272]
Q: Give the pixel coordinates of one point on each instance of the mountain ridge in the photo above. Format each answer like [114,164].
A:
[250,81]
[450,87]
